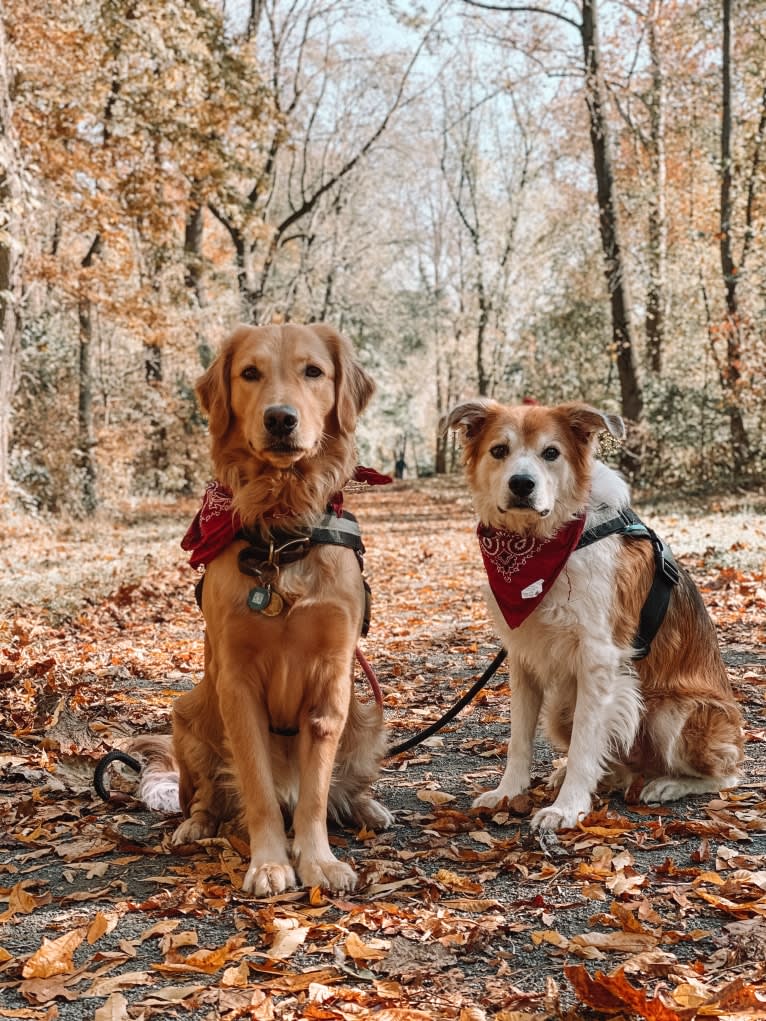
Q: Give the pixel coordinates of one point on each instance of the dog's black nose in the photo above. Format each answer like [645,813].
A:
[280,419]
[521,485]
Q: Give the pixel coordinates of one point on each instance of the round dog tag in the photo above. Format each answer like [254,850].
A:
[274,606]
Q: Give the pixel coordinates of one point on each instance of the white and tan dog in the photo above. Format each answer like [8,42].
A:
[670,718]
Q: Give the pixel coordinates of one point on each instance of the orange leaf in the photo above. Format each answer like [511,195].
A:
[54,956]
[612,994]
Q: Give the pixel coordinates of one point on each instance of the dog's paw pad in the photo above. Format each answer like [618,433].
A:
[265,880]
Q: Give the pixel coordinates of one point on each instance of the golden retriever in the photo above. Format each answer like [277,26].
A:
[275,723]
[569,615]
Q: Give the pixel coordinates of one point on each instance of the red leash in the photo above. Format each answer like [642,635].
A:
[370,675]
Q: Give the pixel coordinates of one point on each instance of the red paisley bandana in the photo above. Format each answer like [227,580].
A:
[521,569]
[215,524]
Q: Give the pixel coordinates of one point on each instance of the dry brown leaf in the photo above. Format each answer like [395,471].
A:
[22,902]
[613,994]
[101,925]
[54,957]
[435,797]
[624,942]
[114,1009]
[456,883]
[108,985]
[360,951]
[287,941]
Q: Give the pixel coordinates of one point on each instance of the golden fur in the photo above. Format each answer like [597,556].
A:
[293,670]
[671,718]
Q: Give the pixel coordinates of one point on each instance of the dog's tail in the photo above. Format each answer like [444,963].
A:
[158,784]
[158,787]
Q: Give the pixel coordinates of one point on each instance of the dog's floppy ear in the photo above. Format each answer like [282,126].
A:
[469,417]
[586,422]
[214,392]
[353,387]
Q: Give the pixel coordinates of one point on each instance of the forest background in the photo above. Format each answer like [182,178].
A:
[559,201]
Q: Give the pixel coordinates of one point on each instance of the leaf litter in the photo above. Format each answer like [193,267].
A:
[639,912]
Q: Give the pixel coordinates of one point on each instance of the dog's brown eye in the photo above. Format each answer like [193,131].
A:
[313,372]
[499,451]
[551,453]
[251,373]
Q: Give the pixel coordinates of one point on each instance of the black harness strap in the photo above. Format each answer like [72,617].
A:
[666,573]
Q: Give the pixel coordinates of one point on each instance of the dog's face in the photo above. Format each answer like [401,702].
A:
[529,466]
[282,391]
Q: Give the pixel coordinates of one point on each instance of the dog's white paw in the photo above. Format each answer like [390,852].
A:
[192,829]
[556,778]
[331,875]
[374,816]
[491,799]
[666,788]
[265,879]
[558,817]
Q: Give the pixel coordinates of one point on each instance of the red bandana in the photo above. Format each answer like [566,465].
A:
[215,524]
[521,569]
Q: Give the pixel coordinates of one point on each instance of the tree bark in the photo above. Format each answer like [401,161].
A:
[609,225]
[738,438]
[658,232]
[11,199]
[85,438]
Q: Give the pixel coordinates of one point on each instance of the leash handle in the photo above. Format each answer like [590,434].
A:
[451,713]
[103,765]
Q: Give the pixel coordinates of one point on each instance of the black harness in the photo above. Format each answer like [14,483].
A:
[280,547]
[666,573]
[264,555]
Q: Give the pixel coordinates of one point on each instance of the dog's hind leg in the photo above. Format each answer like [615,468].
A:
[199,770]
[526,700]
[357,765]
[701,745]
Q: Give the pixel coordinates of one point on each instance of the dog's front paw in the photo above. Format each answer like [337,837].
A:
[491,799]
[331,875]
[265,879]
[558,817]
[193,829]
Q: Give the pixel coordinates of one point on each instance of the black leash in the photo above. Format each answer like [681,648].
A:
[462,702]
[103,765]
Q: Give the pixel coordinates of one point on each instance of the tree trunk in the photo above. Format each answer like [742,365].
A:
[658,233]
[740,446]
[614,266]
[482,376]
[11,199]
[193,234]
[86,442]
